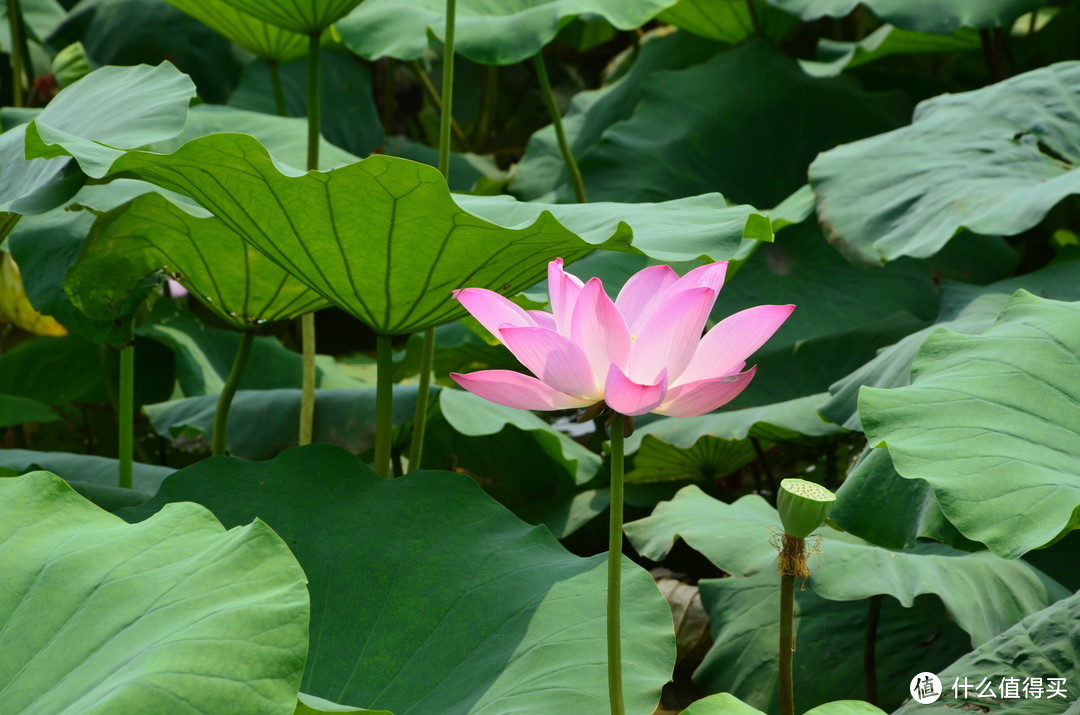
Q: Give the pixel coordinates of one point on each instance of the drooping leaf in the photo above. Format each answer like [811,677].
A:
[1042,646]
[265,41]
[85,468]
[695,130]
[921,15]
[730,21]
[388,562]
[992,423]
[151,235]
[155,108]
[100,615]
[992,161]
[15,410]
[15,307]
[833,56]
[983,592]
[492,34]
[306,18]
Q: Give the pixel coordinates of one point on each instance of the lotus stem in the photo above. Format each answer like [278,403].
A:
[560,135]
[279,91]
[427,361]
[433,95]
[126,415]
[614,582]
[873,616]
[446,111]
[384,403]
[20,54]
[787,646]
[228,391]
[307,321]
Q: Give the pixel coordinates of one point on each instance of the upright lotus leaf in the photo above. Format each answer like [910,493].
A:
[381,238]
[119,106]
[171,615]
[984,593]
[940,16]
[992,161]
[305,17]
[265,41]
[500,33]
[151,235]
[964,309]
[430,597]
[992,423]
[745,625]
[1040,647]
[696,129]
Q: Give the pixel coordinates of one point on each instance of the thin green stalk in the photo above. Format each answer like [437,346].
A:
[384,403]
[279,91]
[228,391]
[433,95]
[447,111]
[873,615]
[556,120]
[20,58]
[489,104]
[126,405]
[389,95]
[787,632]
[614,581]
[307,322]
[427,358]
[427,361]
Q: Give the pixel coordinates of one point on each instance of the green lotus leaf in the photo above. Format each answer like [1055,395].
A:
[992,423]
[983,592]
[940,16]
[389,562]
[992,161]
[500,33]
[265,41]
[171,615]
[306,17]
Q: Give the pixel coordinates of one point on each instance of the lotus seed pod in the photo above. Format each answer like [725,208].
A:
[803,506]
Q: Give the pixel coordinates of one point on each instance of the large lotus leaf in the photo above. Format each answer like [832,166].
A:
[120,106]
[54,370]
[381,238]
[266,41]
[171,615]
[86,468]
[131,32]
[1042,646]
[39,18]
[720,704]
[697,227]
[833,56]
[16,410]
[696,130]
[428,596]
[151,235]
[992,161]
[262,423]
[984,593]
[939,16]
[729,21]
[306,17]
[542,169]
[745,624]
[844,313]
[488,33]
[964,309]
[878,505]
[348,117]
[992,423]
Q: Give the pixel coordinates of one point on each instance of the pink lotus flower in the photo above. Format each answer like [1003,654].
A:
[644,352]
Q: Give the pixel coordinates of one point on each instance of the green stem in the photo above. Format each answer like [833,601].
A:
[279,91]
[427,361]
[389,96]
[873,615]
[433,95]
[787,632]
[126,404]
[20,58]
[384,403]
[489,102]
[614,581]
[307,322]
[307,385]
[228,391]
[447,111]
[556,120]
